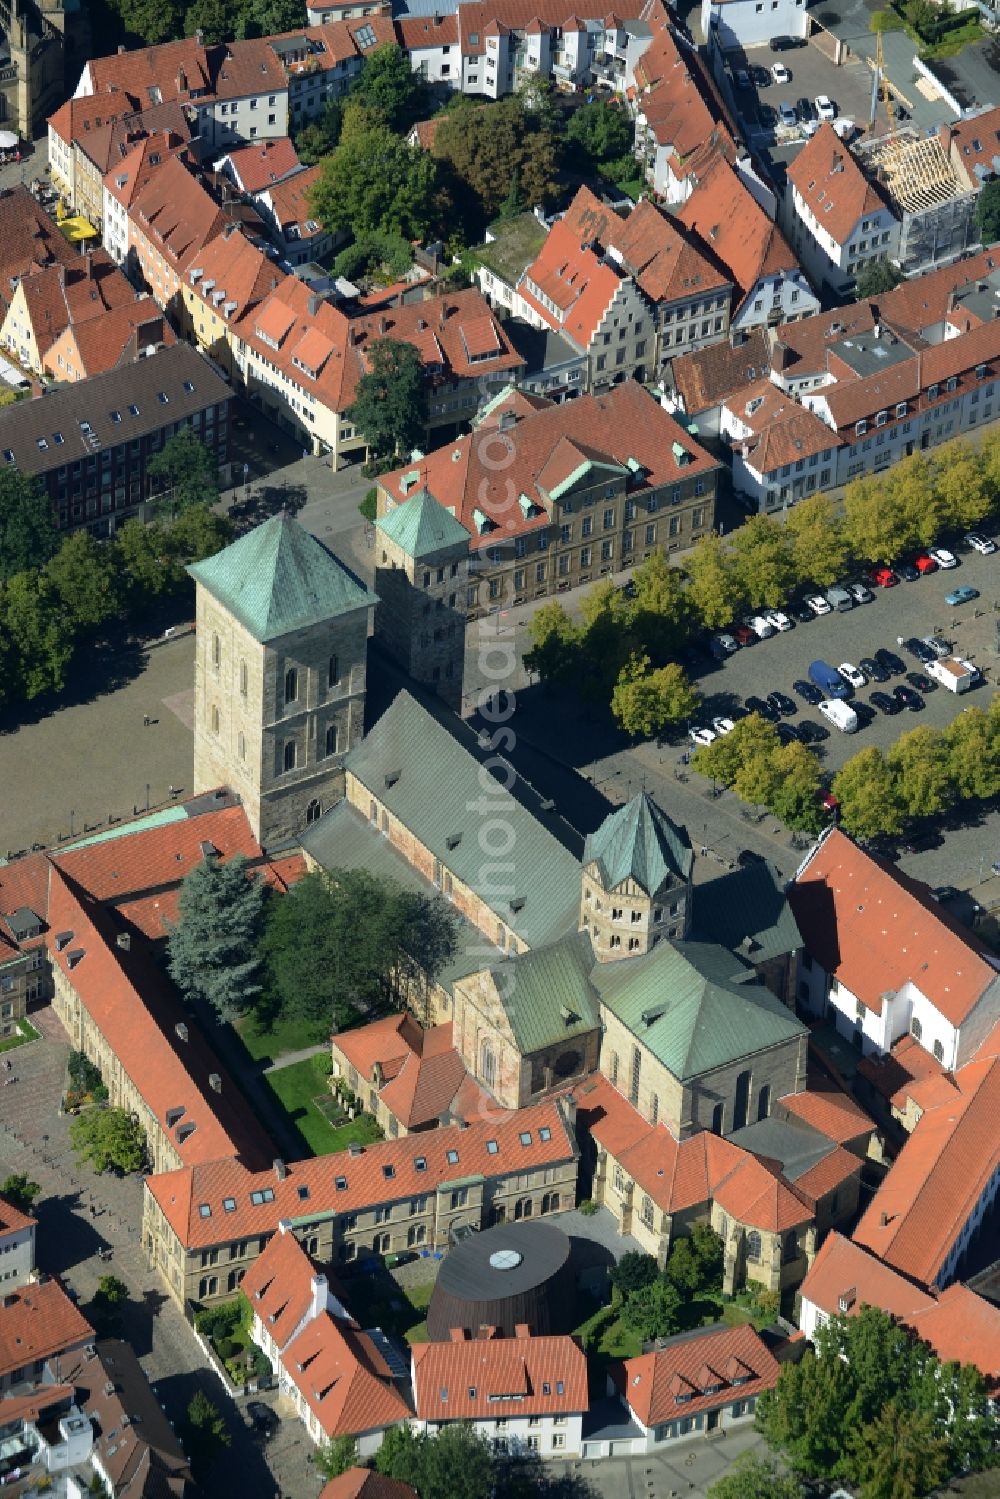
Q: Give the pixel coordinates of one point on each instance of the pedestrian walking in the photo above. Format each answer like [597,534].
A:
[145,720]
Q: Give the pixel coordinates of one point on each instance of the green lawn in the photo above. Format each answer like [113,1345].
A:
[632,187]
[301,1089]
[377,1301]
[287,1035]
[618,1342]
[25,1032]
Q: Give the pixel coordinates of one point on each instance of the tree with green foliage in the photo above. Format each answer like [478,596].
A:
[555,644]
[919,765]
[39,634]
[714,589]
[756,1477]
[633,1272]
[20,1191]
[683,1269]
[914,499]
[28,535]
[761,562]
[961,484]
[187,471]
[646,700]
[318,137]
[605,640]
[111,1291]
[876,277]
[456,1464]
[204,1432]
[751,738]
[797,790]
[196,533]
[658,612]
[988,212]
[150,21]
[341,943]
[819,551]
[85,578]
[390,401]
[109,1140]
[710,1253]
[389,253]
[374,183]
[870,805]
[399,1455]
[390,88]
[142,561]
[338,1456]
[213,948]
[973,750]
[485,146]
[601,131]
[898,1455]
[653,1310]
[873,528]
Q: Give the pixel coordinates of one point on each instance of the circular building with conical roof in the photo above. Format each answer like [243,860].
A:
[512,1274]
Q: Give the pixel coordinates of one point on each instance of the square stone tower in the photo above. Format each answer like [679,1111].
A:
[636,881]
[280,675]
[422,576]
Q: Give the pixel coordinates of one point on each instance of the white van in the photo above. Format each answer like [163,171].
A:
[841,715]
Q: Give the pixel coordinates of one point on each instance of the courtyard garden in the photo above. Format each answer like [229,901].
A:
[24,1032]
[321,1118]
[401,1311]
[226,1329]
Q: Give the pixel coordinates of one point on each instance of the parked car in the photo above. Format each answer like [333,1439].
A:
[760,76]
[782,702]
[758,705]
[921,682]
[963,595]
[843,716]
[920,649]
[884,577]
[742,78]
[780,621]
[744,634]
[885,704]
[803,611]
[263,1419]
[851,675]
[818,604]
[825,107]
[787,115]
[701,736]
[924,563]
[786,43]
[908,698]
[943,557]
[812,733]
[907,572]
[780,74]
[939,647]
[787,733]
[808,691]
[723,645]
[722,726]
[760,625]
[873,669]
[805,108]
[891,663]
[859,593]
[984,545]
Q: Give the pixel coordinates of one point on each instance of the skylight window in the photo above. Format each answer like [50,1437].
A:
[341,1183]
[453,1158]
[545,1133]
[189,387]
[229,1203]
[116,417]
[205,1210]
[133,410]
[388,1172]
[58,439]
[492,1147]
[163,398]
[525,1137]
[420,1164]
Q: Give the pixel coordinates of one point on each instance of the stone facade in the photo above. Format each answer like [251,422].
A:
[274,722]
[627,921]
[776,1261]
[420,618]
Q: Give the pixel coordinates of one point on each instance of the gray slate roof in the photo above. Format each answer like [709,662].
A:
[547,993]
[694,1006]
[795,1145]
[441,791]
[278,578]
[639,841]
[748,912]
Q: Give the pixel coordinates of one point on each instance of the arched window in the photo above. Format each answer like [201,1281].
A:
[243,678]
[380,1244]
[938,1051]
[916,1029]
[215,718]
[332,672]
[291,685]
[312,812]
[717,1115]
[373,813]
[523,1208]
[764,1102]
[753,1245]
[289,754]
[241,746]
[654,1108]
[790,1247]
[741,1100]
[614,1068]
[216,650]
[331,739]
[488,1065]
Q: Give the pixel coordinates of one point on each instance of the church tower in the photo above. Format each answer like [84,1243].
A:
[636,881]
[422,577]
[280,664]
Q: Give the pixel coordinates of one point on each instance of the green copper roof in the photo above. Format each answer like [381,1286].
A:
[747,912]
[279,578]
[639,842]
[694,1006]
[421,526]
[547,994]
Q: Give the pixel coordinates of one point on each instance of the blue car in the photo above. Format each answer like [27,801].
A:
[963,595]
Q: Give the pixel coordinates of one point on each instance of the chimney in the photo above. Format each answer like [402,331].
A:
[199,38]
[883,1220]
[182,81]
[124,941]
[312,306]
[121,48]
[319,1291]
[354,1149]
[215,1082]
[458,1334]
[522,1330]
[280,1169]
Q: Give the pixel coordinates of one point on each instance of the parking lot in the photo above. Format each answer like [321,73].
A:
[909,609]
[848,87]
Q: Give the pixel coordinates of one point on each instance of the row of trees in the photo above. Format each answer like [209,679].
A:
[338,946]
[651,1301]
[925,772]
[752,761]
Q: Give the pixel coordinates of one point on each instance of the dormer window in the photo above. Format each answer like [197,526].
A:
[860,428]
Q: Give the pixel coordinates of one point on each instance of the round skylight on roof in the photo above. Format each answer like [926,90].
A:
[505,1259]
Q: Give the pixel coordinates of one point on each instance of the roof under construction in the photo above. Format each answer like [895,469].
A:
[914,170]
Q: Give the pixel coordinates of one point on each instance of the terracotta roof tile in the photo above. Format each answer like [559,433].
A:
[579,282]
[257,166]
[455,1381]
[363,1483]
[176,214]
[734,228]
[100,344]
[874,930]
[28,237]
[735,1357]
[37,1322]
[964,1328]
[775,429]
[704,379]
[343,1378]
[152,75]
[832,185]
[829,1110]
[664,263]
[279,1286]
[906,1069]
[12,1220]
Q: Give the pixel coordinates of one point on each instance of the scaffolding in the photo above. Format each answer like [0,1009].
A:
[916,172]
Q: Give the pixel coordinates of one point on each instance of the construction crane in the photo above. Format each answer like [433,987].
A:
[882,86]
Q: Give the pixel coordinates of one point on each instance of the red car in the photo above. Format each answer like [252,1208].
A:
[884,577]
[744,634]
[925,564]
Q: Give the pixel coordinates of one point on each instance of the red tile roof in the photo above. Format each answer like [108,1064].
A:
[832,185]
[237,269]
[343,1378]
[181,1194]
[704,379]
[732,1358]
[681,104]
[151,75]
[175,214]
[12,1220]
[875,930]
[291,204]
[973,142]
[904,1072]
[279,1285]
[24,882]
[364,1483]
[38,1322]
[460,1380]
[780,431]
[735,229]
[421,1070]
[938,1178]
[964,1328]
[580,283]
[260,165]
[58,295]
[829,1110]
[28,237]
[247,67]
[104,343]
[545,445]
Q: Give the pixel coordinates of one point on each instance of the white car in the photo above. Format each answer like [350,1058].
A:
[984,545]
[722,726]
[780,73]
[701,736]
[809,128]
[781,622]
[852,675]
[943,557]
[818,604]
[761,625]
[859,593]
[825,108]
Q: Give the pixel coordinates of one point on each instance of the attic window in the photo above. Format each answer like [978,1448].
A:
[116,417]
[341,1183]
[420,1164]
[189,387]
[303,1193]
[560,1387]
[229,1204]
[546,1387]
[388,1172]
[545,1133]
[453,1158]
[491,1147]
[525,1137]
[163,398]
[8,455]
[392,776]
[204,1210]
[133,409]
[265,1195]
[43,446]
[58,439]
